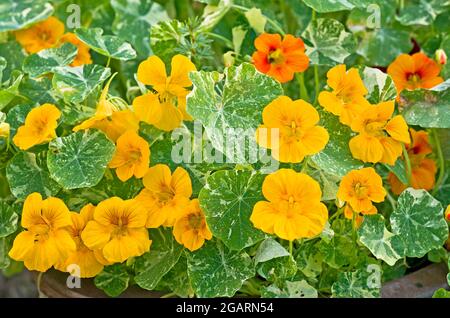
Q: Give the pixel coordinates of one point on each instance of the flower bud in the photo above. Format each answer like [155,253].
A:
[440,57]
[4,130]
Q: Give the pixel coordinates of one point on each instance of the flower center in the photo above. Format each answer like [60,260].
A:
[121,228]
[165,194]
[360,190]
[276,57]
[375,128]
[413,78]
[195,221]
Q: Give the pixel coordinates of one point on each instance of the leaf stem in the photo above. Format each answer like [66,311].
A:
[109,61]
[441,161]
[222,38]
[301,83]
[408,165]
[305,165]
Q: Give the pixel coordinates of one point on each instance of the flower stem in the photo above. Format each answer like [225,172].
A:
[222,38]
[38,285]
[301,82]
[109,61]
[408,165]
[316,81]
[305,165]
[440,155]
[291,247]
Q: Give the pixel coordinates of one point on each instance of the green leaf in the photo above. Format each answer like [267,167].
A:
[427,108]
[438,255]
[374,44]
[297,289]
[9,220]
[27,175]
[419,221]
[107,45]
[14,55]
[216,271]
[270,249]
[380,86]
[5,246]
[421,13]
[399,170]
[9,93]
[163,255]
[324,6]
[328,42]
[441,293]
[38,91]
[212,14]
[382,243]
[46,61]
[79,159]
[166,37]
[16,15]
[339,251]
[133,21]
[354,285]
[277,269]
[113,280]
[238,104]
[309,259]
[227,200]
[177,280]
[76,83]
[336,158]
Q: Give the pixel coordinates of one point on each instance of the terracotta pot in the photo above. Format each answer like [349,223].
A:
[419,284]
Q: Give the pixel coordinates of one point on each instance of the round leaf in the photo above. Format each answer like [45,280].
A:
[16,15]
[8,220]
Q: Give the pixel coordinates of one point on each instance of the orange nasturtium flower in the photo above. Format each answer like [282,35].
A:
[83,55]
[118,230]
[109,119]
[296,123]
[191,229]
[40,36]
[132,156]
[423,169]
[39,127]
[293,209]
[46,241]
[83,257]
[165,195]
[380,137]
[359,188]
[280,58]
[346,100]
[414,71]
[166,109]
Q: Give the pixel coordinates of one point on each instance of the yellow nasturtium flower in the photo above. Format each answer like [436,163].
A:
[39,127]
[293,209]
[165,195]
[380,137]
[40,36]
[346,100]
[45,241]
[132,156]
[166,109]
[191,229]
[359,188]
[83,55]
[83,257]
[296,122]
[109,119]
[118,230]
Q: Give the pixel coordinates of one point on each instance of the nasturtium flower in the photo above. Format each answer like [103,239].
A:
[423,170]
[165,195]
[40,36]
[83,55]
[39,127]
[380,137]
[82,262]
[132,156]
[296,123]
[360,188]
[191,229]
[118,230]
[280,58]
[4,130]
[447,213]
[293,209]
[167,108]
[109,119]
[414,71]
[45,241]
[346,99]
